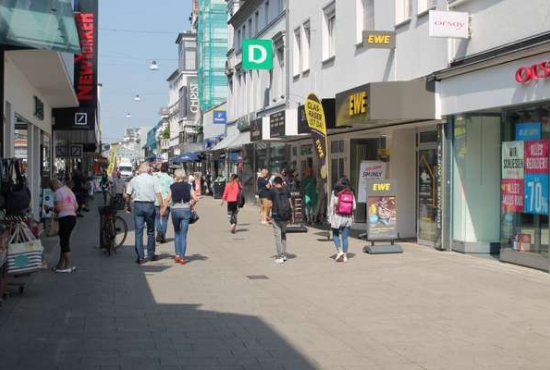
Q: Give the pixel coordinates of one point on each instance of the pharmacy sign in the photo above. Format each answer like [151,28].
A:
[257,54]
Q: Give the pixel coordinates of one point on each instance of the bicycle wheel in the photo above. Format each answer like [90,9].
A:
[121,232]
[108,236]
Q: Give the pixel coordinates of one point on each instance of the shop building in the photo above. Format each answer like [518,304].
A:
[495,98]
[36,77]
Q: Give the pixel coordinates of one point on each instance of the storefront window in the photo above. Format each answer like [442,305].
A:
[21,143]
[45,154]
[280,155]
[524,198]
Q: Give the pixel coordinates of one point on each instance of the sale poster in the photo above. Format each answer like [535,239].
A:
[369,170]
[512,195]
[536,194]
[512,159]
[536,157]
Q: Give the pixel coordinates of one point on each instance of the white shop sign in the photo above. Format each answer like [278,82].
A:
[449,24]
[369,170]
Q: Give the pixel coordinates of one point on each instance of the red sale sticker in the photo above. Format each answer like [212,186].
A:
[536,157]
[512,195]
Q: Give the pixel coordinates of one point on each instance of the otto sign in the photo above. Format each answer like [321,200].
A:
[449,24]
[538,71]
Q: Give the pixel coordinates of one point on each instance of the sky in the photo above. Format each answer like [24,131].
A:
[124,59]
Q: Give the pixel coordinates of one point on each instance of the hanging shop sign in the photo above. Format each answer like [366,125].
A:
[538,71]
[449,24]
[316,120]
[379,39]
[112,159]
[256,129]
[536,177]
[528,131]
[61,151]
[38,108]
[257,54]
[277,123]
[76,150]
[85,72]
[369,171]
[512,160]
[381,210]
[193,100]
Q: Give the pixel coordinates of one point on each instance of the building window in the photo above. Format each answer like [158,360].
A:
[364,17]
[250,28]
[238,42]
[306,46]
[297,52]
[403,10]
[257,22]
[244,32]
[266,13]
[329,30]
[424,5]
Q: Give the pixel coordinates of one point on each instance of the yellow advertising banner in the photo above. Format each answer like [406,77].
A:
[112,160]
[316,121]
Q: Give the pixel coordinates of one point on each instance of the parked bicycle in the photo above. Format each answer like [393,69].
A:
[113,229]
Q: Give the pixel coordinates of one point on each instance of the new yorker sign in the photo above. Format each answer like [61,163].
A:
[379,39]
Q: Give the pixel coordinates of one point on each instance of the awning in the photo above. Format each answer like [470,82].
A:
[47,25]
[233,142]
[186,157]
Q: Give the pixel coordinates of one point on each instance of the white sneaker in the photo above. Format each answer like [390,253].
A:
[280,260]
[284,258]
[338,256]
[345,258]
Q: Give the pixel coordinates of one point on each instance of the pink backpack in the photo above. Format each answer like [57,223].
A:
[345,203]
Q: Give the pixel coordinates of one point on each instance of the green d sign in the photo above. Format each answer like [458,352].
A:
[257,54]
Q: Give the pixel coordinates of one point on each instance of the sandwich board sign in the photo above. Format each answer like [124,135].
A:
[381,210]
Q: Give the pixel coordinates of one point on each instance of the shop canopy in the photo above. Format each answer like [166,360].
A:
[186,157]
[233,142]
[46,25]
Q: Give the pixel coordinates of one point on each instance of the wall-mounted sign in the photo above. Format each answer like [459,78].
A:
[38,108]
[257,54]
[256,129]
[353,106]
[449,24]
[538,71]
[76,150]
[194,98]
[220,117]
[277,123]
[61,151]
[379,39]
[81,119]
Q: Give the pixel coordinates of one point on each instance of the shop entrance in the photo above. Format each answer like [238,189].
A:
[363,150]
[426,194]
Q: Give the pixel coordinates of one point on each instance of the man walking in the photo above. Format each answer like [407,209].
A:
[118,186]
[144,189]
[263,193]
[161,221]
[281,212]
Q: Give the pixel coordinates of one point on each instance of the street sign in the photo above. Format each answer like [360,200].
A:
[220,117]
[61,151]
[76,150]
[257,54]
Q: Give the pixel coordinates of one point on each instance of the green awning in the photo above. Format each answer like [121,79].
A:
[46,25]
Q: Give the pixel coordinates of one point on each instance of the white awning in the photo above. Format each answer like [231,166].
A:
[233,142]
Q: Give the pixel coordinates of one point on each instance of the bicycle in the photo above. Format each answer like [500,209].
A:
[113,228]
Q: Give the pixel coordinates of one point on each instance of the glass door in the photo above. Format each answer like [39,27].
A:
[427,195]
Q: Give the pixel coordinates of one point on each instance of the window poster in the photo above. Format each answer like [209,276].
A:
[512,195]
[536,177]
[528,131]
[512,160]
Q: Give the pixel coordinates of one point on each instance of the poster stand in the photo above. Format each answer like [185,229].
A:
[298,209]
[382,217]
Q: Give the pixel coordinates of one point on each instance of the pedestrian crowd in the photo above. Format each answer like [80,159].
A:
[152,196]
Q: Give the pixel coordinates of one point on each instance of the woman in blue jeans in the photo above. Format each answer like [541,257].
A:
[340,216]
[183,201]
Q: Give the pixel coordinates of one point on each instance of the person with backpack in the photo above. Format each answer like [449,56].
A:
[282,212]
[342,206]
[232,194]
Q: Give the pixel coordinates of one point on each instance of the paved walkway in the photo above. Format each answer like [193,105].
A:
[420,310]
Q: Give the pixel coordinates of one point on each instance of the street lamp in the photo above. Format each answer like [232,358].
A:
[154,66]
[137,98]
[128,115]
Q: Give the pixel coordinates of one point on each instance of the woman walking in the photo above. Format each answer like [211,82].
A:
[183,202]
[342,205]
[231,195]
[65,206]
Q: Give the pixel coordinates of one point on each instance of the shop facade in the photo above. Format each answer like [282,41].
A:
[498,112]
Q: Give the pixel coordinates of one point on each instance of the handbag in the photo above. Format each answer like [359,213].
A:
[194,217]
[242,199]
[24,251]
[19,197]
[53,227]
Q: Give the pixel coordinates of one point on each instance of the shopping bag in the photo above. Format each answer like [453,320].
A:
[53,227]
[24,251]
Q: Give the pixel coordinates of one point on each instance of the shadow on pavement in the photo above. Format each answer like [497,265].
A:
[113,313]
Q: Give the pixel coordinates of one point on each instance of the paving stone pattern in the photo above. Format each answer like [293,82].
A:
[420,310]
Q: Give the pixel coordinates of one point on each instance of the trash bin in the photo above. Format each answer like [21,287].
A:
[219,186]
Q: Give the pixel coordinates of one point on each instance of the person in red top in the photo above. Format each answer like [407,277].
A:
[231,195]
